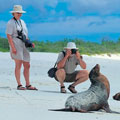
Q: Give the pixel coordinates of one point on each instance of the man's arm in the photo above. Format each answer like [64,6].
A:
[62,62]
[82,63]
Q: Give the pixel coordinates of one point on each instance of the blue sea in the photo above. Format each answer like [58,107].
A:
[86,37]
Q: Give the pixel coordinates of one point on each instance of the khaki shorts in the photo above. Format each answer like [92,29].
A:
[22,51]
[69,77]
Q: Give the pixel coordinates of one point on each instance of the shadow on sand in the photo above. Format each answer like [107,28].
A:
[55,92]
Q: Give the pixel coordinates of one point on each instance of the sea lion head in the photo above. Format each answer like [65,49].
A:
[95,72]
[117,96]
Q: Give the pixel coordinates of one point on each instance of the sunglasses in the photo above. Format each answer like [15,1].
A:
[18,13]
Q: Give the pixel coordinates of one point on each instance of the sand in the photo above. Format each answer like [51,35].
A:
[34,105]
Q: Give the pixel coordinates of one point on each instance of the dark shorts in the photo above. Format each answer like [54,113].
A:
[70,77]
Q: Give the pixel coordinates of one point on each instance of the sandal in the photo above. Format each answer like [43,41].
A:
[29,87]
[20,87]
[62,89]
[72,89]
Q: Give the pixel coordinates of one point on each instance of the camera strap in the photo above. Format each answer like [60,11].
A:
[19,23]
[21,35]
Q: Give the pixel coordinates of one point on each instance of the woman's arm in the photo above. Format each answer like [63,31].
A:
[10,40]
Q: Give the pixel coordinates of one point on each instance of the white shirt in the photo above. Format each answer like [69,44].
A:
[71,63]
[13,26]
[22,52]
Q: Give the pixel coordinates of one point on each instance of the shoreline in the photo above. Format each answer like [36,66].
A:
[104,56]
[108,56]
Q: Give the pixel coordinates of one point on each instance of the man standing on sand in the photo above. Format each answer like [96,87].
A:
[66,65]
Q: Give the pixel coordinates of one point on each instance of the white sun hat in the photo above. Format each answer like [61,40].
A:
[71,45]
[17,9]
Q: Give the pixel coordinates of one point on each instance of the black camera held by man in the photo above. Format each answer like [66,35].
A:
[73,51]
[22,37]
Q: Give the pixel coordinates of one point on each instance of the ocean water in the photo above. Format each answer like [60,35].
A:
[86,37]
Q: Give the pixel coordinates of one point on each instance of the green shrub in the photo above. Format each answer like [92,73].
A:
[88,47]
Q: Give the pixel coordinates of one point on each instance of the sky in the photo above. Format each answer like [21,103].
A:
[89,20]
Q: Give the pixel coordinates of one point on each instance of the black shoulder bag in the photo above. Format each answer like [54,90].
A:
[52,71]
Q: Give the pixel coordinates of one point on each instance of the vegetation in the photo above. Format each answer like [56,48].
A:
[88,48]
[4,46]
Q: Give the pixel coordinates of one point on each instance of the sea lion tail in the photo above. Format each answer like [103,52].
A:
[114,112]
[63,109]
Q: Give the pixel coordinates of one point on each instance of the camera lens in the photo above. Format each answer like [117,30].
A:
[73,51]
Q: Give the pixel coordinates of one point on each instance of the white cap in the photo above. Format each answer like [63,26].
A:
[17,9]
[71,45]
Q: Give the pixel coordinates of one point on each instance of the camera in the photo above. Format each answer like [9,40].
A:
[73,51]
[28,43]
[21,36]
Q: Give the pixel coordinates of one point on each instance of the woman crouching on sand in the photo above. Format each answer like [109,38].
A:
[16,29]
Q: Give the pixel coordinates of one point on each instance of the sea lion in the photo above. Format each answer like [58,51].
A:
[117,96]
[93,99]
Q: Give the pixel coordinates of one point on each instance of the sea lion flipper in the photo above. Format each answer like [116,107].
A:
[106,107]
[63,109]
[115,112]
[70,110]
[108,110]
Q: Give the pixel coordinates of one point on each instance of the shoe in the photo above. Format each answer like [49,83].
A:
[29,87]
[62,89]
[20,87]
[72,89]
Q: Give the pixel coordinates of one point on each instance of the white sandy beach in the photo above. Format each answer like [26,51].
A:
[34,105]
